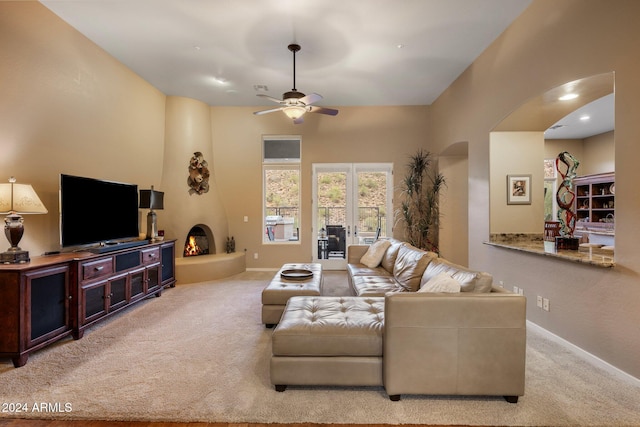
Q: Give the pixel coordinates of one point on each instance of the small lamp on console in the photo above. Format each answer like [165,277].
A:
[152,199]
[17,199]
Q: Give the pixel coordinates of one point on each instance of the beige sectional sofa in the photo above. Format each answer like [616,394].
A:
[394,334]
[404,268]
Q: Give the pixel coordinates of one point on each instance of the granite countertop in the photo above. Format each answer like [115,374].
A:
[534,244]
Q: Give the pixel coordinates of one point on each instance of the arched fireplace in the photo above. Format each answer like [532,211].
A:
[199,241]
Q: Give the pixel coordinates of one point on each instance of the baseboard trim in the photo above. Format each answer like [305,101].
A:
[583,354]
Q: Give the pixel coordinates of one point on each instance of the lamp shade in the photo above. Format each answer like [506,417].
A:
[294,112]
[151,199]
[20,198]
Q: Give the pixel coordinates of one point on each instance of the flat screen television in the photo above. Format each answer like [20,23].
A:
[97,211]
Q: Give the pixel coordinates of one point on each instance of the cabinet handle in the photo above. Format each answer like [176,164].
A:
[152,255]
[100,268]
[70,297]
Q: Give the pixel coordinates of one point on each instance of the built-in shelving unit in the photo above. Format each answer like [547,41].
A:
[595,200]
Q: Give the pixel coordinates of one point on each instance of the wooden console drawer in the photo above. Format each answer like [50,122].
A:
[98,268]
[150,256]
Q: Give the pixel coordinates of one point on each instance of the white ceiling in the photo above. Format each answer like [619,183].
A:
[593,119]
[217,50]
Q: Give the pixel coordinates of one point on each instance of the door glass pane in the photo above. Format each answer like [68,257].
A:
[372,206]
[332,213]
[137,283]
[549,200]
[94,301]
[118,291]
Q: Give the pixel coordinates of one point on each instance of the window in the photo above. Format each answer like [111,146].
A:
[281,189]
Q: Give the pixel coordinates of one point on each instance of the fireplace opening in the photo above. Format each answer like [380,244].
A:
[199,241]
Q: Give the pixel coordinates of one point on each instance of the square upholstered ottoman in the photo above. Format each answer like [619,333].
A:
[328,340]
[280,289]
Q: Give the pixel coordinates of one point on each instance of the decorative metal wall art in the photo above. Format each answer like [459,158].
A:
[198,180]
[565,196]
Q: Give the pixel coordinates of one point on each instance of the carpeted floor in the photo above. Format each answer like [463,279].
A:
[200,353]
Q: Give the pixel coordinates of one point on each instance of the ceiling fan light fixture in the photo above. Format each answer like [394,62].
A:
[294,112]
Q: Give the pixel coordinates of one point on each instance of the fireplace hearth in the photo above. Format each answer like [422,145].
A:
[199,241]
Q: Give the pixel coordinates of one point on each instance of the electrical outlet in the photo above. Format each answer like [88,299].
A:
[545,304]
[516,290]
[539,301]
[255,255]
[521,291]
[501,283]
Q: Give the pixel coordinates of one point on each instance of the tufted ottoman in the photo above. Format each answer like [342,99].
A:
[279,290]
[328,341]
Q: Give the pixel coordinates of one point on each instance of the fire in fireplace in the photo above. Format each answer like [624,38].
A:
[197,242]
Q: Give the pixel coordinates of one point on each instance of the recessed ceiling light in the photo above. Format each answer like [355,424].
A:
[568,97]
[260,88]
[399,45]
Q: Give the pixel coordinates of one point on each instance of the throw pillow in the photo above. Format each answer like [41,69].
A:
[374,254]
[442,282]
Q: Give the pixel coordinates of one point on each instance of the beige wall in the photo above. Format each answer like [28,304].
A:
[454,220]
[356,134]
[516,153]
[68,107]
[551,43]
[595,153]
[599,154]
[553,147]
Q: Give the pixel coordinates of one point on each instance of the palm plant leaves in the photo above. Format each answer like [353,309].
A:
[420,210]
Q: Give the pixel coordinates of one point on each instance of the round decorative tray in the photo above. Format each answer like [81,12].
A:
[296,274]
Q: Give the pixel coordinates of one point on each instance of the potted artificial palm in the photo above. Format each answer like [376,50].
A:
[420,209]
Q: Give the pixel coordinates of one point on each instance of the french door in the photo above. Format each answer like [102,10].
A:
[352,204]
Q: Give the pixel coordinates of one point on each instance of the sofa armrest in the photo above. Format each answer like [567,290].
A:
[355,252]
[455,344]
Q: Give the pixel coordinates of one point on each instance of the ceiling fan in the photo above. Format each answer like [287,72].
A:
[295,104]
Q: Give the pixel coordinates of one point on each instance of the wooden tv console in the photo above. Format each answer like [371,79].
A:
[55,296]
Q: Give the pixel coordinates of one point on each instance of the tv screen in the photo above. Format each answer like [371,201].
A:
[94,211]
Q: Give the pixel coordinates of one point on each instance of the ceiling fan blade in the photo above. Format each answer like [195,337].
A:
[270,98]
[257,113]
[311,98]
[322,110]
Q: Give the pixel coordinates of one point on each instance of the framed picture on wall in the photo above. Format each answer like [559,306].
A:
[518,189]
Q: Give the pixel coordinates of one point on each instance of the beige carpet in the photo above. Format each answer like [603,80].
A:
[200,353]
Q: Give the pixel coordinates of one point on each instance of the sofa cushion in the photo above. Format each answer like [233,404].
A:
[373,257]
[389,258]
[470,280]
[409,267]
[375,286]
[363,270]
[442,282]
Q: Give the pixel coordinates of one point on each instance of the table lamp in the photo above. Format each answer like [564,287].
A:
[17,199]
[152,199]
